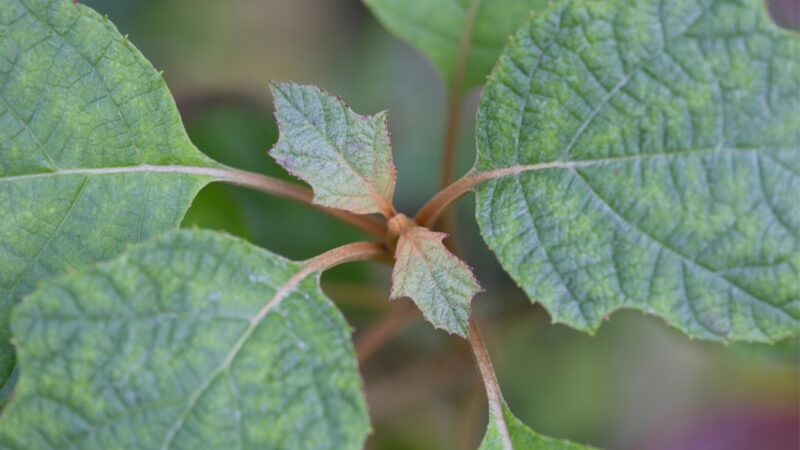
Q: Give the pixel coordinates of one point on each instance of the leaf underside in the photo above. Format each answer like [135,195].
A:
[657,156]
[82,117]
[192,340]
[345,157]
[519,436]
[435,27]
[440,284]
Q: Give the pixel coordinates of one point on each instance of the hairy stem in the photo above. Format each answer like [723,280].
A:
[430,212]
[397,319]
[454,98]
[356,251]
[376,336]
[298,194]
[490,382]
[256,181]
[452,123]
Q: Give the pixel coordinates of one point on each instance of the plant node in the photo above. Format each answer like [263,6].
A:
[397,226]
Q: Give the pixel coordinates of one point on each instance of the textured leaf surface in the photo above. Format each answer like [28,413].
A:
[652,160]
[440,284]
[90,143]
[345,157]
[435,28]
[518,436]
[192,340]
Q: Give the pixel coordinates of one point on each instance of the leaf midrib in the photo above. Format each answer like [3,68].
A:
[483,175]
[572,165]
[280,294]
[75,197]
[479,177]
[140,168]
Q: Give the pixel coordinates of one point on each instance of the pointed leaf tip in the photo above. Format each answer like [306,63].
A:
[440,283]
[345,157]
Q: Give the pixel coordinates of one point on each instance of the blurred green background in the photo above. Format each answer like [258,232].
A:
[635,385]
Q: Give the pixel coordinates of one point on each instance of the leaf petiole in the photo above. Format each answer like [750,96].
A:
[300,194]
[493,394]
[454,96]
[439,203]
[356,251]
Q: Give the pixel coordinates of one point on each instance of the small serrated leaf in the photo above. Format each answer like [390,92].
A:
[440,284]
[345,157]
[192,340]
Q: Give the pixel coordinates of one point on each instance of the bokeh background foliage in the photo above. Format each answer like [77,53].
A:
[636,384]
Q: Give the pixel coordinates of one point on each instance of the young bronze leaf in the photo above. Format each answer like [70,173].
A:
[441,29]
[440,284]
[193,340]
[345,157]
[506,432]
[645,154]
[92,151]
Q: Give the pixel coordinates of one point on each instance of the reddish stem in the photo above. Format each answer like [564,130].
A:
[298,194]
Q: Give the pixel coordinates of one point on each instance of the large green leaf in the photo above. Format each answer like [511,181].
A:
[647,155]
[435,28]
[191,340]
[509,433]
[92,151]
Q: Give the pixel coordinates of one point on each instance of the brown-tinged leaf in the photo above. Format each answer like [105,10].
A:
[440,284]
[345,157]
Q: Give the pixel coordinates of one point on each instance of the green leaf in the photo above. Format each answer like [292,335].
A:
[647,155]
[440,284]
[192,340]
[92,151]
[509,433]
[345,157]
[436,27]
